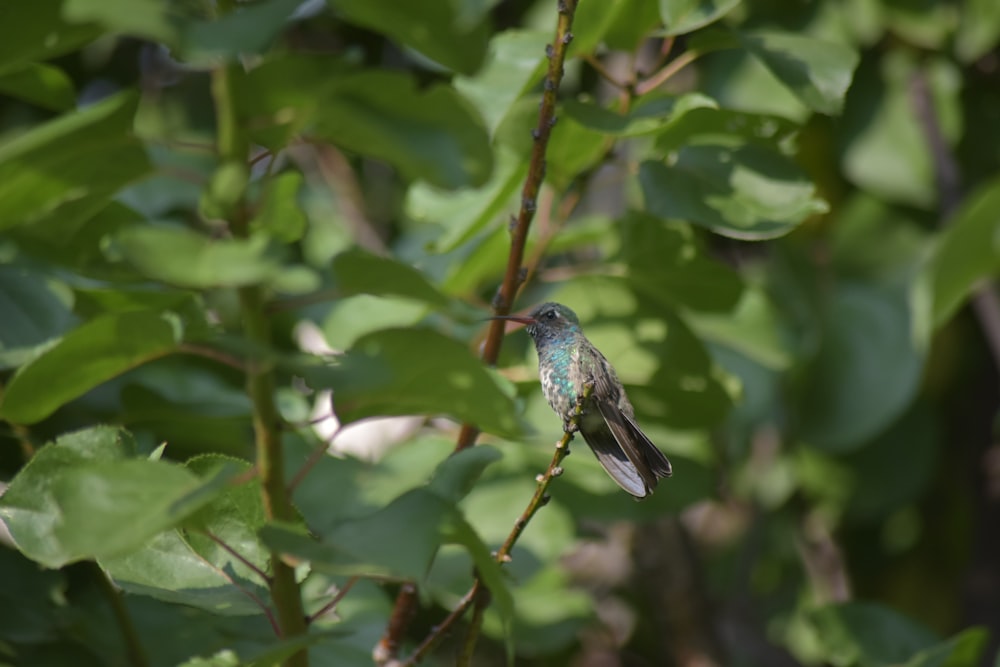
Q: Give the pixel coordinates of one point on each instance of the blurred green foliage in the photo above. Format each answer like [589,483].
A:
[769,216]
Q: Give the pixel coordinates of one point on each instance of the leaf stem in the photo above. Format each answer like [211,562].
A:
[237,555]
[668,70]
[133,646]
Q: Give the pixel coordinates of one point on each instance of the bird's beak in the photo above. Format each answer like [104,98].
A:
[513,318]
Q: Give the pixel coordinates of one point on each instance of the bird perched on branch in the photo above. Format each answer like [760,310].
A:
[566,362]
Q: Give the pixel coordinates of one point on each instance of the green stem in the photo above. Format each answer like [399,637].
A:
[285,592]
[133,647]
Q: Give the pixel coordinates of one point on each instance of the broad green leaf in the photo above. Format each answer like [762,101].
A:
[963,650]
[867,635]
[651,114]
[355,316]
[466,212]
[573,149]
[752,329]
[188,566]
[747,192]
[414,371]
[84,358]
[44,85]
[435,29]
[166,568]
[183,257]
[83,157]
[358,271]
[430,134]
[149,19]
[816,71]
[369,546]
[684,16]
[511,66]
[884,147]
[81,497]
[279,214]
[967,253]
[979,29]
[249,28]
[36,31]
[456,475]
[591,23]
[35,310]
[866,371]
[631,25]
[665,262]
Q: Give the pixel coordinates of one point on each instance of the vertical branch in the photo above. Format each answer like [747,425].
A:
[514,275]
[387,649]
[133,647]
[285,593]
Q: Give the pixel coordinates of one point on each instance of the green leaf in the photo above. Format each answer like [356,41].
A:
[455,476]
[82,157]
[38,31]
[183,257]
[44,85]
[369,546]
[464,213]
[817,72]
[84,358]
[967,252]
[149,19]
[429,134]
[35,311]
[189,567]
[415,371]
[355,316]
[438,30]
[279,214]
[867,635]
[358,271]
[752,329]
[650,114]
[978,31]
[248,28]
[866,371]
[684,16]
[747,192]
[963,650]
[884,147]
[513,63]
[665,261]
[81,498]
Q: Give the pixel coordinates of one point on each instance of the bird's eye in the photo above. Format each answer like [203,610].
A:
[551,314]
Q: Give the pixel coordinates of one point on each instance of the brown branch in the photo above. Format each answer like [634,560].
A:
[947,177]
[538,500]
[338,596]
[213,354]
[513,276]
[668,70]
[387,649]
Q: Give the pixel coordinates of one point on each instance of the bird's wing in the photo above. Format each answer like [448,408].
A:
[610,455]
[631,441]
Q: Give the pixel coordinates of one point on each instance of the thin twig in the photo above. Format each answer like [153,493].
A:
[338,596]
[538,500]
[213,354]
[237,555]
[314,457]
[668,70]
[947,175]
[599,67]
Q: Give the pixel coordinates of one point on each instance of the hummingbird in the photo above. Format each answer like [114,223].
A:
[566,362]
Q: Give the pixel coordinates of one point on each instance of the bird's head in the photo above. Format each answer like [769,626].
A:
[548,321]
